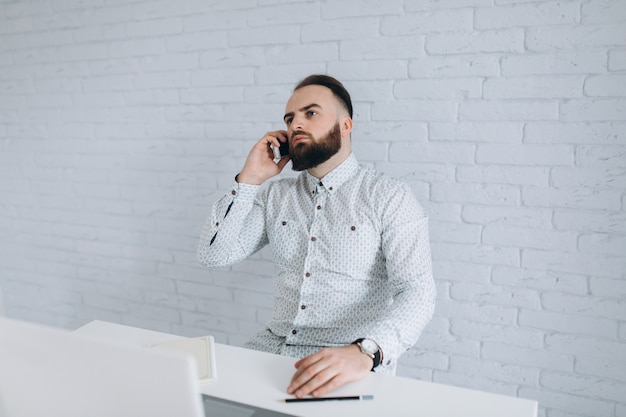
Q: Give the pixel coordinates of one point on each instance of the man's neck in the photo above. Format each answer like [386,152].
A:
[333,162]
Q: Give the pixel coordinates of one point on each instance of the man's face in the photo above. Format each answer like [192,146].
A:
[312,126]
[310,153]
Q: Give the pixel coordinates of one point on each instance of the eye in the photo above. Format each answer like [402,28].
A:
[288,121]
[311,113]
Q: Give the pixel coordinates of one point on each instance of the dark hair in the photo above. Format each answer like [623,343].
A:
[333,84]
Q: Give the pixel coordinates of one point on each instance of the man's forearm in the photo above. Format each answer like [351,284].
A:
[221,242]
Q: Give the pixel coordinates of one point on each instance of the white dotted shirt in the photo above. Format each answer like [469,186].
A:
[352,252]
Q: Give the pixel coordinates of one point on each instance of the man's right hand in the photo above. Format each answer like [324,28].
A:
[260,164]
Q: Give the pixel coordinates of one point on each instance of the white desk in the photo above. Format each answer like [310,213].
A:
[261,379]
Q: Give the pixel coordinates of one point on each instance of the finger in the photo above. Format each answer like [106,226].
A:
[269,138]
[279,133]
[302,366]
[268,141]
[332,384]
[315,377]
[283,135]
[309,360]
[308,369]
[324,355]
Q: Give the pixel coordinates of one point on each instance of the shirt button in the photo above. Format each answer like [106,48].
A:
[353,228]
[313,239]
[330,188]
[233,192]
[308,274]
[217,224]
[319,207]
[302,307]
[284,223]
[294,331]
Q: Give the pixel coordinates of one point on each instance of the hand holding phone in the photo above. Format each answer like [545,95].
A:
[261,163]
[282,151]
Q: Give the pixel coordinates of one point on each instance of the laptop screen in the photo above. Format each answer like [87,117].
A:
[217,407]
[46,371]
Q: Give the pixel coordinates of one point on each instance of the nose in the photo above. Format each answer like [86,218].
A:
[297,123]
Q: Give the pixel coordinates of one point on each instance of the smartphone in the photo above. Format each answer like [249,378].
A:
[282,151]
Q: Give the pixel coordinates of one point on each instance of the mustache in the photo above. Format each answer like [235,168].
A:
[300,132]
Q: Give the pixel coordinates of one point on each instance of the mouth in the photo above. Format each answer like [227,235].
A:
[298,138]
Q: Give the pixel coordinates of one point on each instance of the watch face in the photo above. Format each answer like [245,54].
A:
[369,346]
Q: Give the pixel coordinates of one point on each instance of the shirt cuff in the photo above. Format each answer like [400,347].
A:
[244,191]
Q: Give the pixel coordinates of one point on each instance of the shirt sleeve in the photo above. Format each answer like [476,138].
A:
[406,246]
[235,228]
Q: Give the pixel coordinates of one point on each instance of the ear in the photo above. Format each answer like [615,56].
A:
[346,126]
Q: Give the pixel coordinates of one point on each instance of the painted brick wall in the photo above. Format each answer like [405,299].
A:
[121,121]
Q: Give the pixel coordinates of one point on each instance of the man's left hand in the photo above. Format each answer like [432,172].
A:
[327,370]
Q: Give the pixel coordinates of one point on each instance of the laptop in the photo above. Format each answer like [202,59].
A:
[46,371]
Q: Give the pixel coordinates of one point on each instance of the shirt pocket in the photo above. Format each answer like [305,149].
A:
[355,251]
[285,238]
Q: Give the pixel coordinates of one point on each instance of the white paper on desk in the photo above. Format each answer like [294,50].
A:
[203,351]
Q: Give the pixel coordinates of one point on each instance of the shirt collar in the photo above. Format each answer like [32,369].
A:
[335,178]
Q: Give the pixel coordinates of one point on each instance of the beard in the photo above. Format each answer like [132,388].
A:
[314,152]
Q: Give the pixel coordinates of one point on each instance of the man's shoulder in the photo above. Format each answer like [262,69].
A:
[390,192]
[373,178]
[283,184]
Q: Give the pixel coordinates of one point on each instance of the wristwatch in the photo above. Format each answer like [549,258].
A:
[371,349]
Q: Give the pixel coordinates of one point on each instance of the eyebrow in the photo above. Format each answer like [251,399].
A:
[303,109]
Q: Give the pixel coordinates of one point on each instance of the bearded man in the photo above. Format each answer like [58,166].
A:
[354,287]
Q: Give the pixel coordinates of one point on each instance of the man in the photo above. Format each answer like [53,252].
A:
[354,286]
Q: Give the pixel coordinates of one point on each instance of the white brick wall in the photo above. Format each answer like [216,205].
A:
[122,121]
